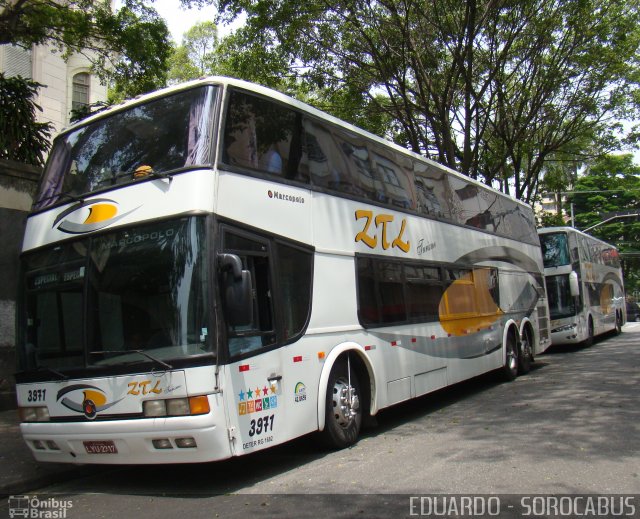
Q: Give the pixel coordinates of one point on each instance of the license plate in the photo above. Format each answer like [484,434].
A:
[101,447]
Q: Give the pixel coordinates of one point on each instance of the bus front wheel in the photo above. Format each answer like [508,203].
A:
[618,329]
[343,413]
[588,342]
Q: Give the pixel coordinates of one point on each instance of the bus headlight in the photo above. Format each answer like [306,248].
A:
[154,408]
[565,328]
[178,407]
[34,414]
[193,405]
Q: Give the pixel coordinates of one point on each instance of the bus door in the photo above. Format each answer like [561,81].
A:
[254,379]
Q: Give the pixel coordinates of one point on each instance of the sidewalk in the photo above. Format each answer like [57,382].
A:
[19,472]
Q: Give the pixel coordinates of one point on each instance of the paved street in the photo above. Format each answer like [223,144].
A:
[570,426]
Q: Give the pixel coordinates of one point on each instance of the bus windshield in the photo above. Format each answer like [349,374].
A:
[129,296]
[561,303]
[160,136]
[555,249]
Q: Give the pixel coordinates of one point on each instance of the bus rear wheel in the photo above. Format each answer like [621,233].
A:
[525,355]
[510,367]
[343,413]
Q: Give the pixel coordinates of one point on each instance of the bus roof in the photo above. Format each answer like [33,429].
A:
[550,230]
[286,99]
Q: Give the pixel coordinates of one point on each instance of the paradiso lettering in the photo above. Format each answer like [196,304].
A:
[370,236]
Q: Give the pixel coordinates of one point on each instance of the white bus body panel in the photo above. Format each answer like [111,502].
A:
[132,435]
[134,203]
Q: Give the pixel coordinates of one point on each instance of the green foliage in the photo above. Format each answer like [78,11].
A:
[551,220]
[129,47]
[611,186]
[181,68]
[22,139]
[81,113]
[197,56]
[493,89]
[140,40]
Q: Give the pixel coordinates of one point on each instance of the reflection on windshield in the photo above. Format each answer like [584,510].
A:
[555,249]
[561,302]
[145,298]
[160,136]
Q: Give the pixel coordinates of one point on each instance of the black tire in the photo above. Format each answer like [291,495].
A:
[343,413]
[525,355]
[588,342]
[618,329]
[509,370]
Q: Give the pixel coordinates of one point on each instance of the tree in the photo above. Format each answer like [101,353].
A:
[610,186]
[492,89]
[22,139]
[196,56]
[181,68]
[129,47]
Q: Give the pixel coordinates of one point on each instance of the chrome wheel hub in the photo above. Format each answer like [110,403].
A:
[345,403]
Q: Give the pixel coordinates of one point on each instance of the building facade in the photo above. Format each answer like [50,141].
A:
[67,84]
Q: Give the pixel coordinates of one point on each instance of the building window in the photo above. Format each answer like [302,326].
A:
[80,95]
[17,61]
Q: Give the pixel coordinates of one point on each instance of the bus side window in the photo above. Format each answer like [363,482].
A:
[294,269]
[323,160]
[432,191]
[264,136]
[260,333]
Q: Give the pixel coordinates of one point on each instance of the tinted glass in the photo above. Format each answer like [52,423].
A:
[367,300]
[432,191]
[555,249]
[294,276]
[390,289]
[146,289]
[256,258]
[149,292]
[159,136]
[424,292]
[263,136]
[561,303]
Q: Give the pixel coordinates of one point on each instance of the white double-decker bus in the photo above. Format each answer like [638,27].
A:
[584,285]
[216,268]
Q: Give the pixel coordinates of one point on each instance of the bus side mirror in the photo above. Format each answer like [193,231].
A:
[574,286]
[237,293]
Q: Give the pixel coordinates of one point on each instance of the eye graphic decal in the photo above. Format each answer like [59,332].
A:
[85,399]
[89,216]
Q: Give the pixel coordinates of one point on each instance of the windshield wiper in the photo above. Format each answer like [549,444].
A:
[140,352]
[53,372]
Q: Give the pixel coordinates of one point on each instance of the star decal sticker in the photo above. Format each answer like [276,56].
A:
[241,395]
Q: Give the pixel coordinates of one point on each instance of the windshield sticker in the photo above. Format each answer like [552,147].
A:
[89,216]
